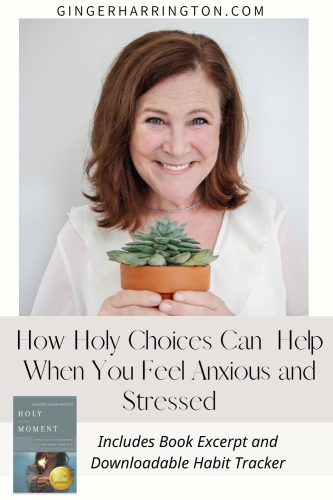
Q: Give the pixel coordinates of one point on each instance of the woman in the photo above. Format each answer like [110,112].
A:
[37,475]
[166,141]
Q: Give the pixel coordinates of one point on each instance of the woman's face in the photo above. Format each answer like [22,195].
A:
[175,139]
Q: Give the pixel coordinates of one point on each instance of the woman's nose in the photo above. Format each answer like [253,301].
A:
[177,143]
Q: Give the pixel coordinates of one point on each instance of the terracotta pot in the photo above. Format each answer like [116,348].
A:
[165,279]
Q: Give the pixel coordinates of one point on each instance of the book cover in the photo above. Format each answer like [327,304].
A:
[44,430]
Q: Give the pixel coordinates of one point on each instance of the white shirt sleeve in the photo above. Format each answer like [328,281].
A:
[294,268]
[55,296]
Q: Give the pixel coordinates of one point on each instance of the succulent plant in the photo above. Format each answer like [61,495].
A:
[165,245]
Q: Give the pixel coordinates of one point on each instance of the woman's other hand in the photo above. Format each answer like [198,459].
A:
[132,303]
[189,303]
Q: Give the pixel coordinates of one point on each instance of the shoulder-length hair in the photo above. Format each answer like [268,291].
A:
[119,193]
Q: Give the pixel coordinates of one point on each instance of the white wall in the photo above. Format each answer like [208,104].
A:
[62,66]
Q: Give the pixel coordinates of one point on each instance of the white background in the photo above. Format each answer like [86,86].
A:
[321,241]
[62,65]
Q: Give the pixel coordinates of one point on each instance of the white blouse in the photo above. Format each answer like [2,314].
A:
[260,271]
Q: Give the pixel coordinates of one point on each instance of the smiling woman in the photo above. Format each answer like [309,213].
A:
[176,133]
[166,139]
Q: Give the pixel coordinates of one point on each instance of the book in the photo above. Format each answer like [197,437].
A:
[44,434]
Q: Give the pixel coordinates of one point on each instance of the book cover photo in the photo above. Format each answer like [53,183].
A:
[44,431]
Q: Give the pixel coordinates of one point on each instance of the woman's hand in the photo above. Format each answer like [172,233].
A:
[132,303]
[195,304]
[42,482]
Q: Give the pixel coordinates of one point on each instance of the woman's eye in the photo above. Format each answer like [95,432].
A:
[154,120]
[199,121]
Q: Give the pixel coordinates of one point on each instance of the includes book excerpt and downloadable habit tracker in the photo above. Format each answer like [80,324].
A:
[44,430]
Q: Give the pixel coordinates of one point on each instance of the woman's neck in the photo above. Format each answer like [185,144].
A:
[202,223]
[158,204]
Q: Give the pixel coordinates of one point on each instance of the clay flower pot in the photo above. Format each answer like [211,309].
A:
[165,280]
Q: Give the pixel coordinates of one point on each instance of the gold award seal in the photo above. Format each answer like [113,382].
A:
[61,478]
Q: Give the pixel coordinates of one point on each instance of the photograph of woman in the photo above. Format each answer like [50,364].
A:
[38,474]
[166,142]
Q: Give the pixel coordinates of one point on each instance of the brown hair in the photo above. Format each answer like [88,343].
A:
[119,192]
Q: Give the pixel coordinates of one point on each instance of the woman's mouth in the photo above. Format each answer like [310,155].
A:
[175,167]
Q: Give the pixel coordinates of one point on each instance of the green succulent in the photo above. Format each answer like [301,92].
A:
[165,245]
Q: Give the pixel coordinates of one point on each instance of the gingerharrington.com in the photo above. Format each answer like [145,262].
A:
[142,11]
